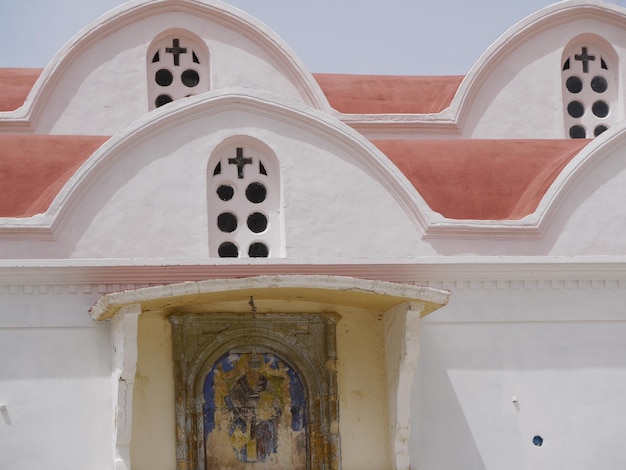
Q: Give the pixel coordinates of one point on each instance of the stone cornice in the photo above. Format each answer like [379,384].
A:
[118,274]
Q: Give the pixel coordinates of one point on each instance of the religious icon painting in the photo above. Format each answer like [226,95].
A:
[254,414]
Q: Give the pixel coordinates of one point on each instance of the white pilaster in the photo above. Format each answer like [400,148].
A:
[401,351]
[124,338]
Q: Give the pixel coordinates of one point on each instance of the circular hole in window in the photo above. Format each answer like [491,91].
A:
[574,84]
[162,99]
[228,250]
[225,192]
[599,84]
[599,130]
[190,78]
[576,109]
[227,222]
[256,192]
[538,441]
[164,77]
[257,222]
[577,132]
[258,250]
[600,109]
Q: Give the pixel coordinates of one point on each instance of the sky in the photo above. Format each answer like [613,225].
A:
[398,37]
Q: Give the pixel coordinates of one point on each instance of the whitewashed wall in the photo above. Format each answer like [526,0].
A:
[55,379]
[557,347]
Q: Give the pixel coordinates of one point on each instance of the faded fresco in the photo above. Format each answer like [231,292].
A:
[254,414]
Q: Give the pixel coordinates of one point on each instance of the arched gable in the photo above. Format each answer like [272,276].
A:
[97,84]
[158,167]
[514,89]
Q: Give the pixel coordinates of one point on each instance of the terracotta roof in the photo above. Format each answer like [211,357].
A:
[15,84]
[383,94]
[34,168]
[481,179]
[349,94]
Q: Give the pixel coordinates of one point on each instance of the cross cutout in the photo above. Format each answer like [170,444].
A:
[585,58]
[240,161]
[176,51]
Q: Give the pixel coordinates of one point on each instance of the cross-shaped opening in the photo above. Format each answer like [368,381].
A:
[240,161]
[584,57]
[176,51]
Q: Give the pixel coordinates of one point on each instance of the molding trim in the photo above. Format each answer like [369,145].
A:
[89,277]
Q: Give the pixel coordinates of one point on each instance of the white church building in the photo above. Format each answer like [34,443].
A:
[211,258]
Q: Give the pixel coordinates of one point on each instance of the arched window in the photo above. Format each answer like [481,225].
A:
[590,88]
[178,66]
[243,201]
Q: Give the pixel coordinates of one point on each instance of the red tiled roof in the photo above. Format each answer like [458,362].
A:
[34,168]
[15,84]
[349,94]
[481,179]
[383,94]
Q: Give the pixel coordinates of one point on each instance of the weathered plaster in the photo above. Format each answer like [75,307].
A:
[124,337]
[401,353]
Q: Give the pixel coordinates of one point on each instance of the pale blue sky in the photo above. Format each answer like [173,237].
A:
[411,37]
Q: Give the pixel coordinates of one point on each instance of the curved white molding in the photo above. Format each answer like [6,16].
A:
[534,225]
[24,118]
[597,151]
[364,154]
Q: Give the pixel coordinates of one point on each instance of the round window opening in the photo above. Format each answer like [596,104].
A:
[162,99]
[576,109]
[574,84]
[227,222]
[256,192]
[599,84]
[577,132]
[163,77]
[228,250]
[600,109]
[190,78]
[599,130]
[225,192]
[258,250]
[257,222]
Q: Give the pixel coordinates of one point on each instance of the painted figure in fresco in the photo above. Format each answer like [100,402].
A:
[254,414]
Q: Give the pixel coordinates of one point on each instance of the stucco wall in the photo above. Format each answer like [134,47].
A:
[556,347]
[55,380]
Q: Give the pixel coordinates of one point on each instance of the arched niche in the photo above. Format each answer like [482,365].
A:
[590,78]
[177,65]
[305,342]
